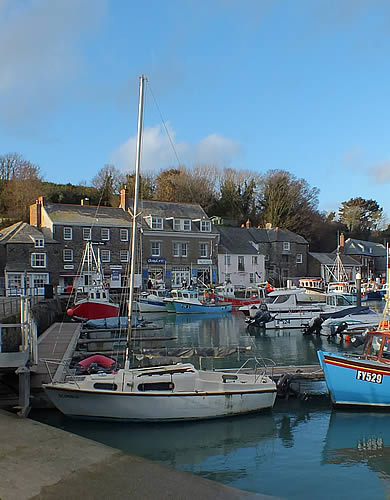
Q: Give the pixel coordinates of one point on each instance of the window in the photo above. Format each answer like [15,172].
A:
[252,278]
[227,276]
[38,260]
[266,258]
[124,235]
[241,266]
[182,224]
[205,226]
[67,255]
[176,249]
[204,249]
[105,234]
[157,222]
[105,255]
[39,243]
[180,249]
[68,233]
[254,261]
[286,245]
[156,247]
[86,233]
[299,258]
[227,260]
[124,256]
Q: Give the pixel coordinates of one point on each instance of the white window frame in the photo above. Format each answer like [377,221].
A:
[184,249]
[124,235]
[228,276]
[105,234]
[286,245]
[87,233]
[157,223]
[68,258]
[39,243]
[176,249]
[205,226]
[227,260]
[155,248]
[176,224]
[252,278]
[254,260]
[299,258]
[124,256]
[240,259]
[204,250]
[186,224]
[36,257]
[68,233]
[105,255]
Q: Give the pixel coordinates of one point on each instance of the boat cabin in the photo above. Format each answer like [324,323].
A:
[229,291]
[377,347]
[315,284]
[341,299]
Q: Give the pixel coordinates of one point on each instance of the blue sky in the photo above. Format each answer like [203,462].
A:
[299,85]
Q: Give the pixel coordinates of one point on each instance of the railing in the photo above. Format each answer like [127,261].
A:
[260,364]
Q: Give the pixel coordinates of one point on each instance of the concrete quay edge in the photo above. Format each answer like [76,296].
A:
[45,463]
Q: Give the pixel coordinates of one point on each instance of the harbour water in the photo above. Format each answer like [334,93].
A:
[302,449]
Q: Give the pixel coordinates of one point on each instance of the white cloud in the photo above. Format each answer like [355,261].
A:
[381,173]
[39,57]
[158,153]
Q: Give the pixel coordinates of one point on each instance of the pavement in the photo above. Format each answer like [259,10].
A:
[45,463]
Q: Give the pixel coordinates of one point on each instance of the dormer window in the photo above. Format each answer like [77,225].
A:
[182,224]
[286,245]
[39,243]
[205,226]
[157,222]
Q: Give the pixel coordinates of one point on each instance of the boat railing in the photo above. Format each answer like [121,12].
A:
[60,370]
[261,366]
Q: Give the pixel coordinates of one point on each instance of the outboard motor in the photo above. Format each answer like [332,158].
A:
[262,317]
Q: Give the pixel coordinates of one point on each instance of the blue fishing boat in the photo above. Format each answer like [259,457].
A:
[361,379]
[192,307]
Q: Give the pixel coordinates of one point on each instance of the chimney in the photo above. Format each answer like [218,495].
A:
[342,243]
[248,223]
[85,201]
[124,204]
[36,212]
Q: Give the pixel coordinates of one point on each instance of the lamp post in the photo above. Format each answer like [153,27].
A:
[359,289]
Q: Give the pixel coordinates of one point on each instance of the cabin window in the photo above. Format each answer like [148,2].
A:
[124,235]
[105,386]
[68,255]
[68,233]
[105,234]
[156,386]
[299,258]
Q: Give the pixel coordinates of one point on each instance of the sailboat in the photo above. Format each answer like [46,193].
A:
[160,393]
[91,299]
[362,380]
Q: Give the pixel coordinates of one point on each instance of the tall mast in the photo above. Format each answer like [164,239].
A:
[142,81]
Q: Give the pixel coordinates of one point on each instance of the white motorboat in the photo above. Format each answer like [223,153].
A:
[152,301]
[161,393]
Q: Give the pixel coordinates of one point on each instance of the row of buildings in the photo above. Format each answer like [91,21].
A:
[179,242]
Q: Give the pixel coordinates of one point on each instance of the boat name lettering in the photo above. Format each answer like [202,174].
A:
[71,396]
[369,377]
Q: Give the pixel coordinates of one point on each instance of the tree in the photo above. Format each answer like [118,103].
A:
[360,216]
[286,201]
[108,182]
[23,188]
[147,186]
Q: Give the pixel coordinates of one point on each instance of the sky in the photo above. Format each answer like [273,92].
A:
[297,85]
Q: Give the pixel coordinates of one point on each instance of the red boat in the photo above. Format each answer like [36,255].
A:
[239,297]
[92,301]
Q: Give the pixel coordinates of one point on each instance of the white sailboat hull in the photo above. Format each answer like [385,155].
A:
[173,392]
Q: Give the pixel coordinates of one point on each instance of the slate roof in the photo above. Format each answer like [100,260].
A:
[360,247]
[171,209]
[262,235]
[235,240]
[21,232]
[87,215]
[328,259]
